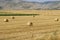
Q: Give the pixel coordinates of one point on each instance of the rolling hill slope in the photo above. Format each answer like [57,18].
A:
[20,4]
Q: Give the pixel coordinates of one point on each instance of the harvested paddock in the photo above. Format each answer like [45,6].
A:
[44,27]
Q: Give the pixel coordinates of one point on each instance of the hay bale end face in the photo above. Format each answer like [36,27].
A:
[56,19]
[30,24]
[12,17]
[6,20]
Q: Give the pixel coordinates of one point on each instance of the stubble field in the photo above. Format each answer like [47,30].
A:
[44,26]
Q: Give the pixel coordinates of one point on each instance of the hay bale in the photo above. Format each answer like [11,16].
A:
[12,17]
[30,24]
[56,19]
[6,20]
[33,15]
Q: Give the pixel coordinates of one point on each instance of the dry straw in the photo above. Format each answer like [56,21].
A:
[56,19]
[12,17]
[6,20]
[30,24]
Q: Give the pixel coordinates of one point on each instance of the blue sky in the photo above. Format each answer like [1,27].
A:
[42,0]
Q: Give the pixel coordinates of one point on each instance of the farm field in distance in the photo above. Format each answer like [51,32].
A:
[44,26]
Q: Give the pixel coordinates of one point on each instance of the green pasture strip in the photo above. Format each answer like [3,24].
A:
[4,14]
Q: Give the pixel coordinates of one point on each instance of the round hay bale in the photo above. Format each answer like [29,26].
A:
[12,17]
[6,20]
[33,15]
[56,19]
[30,24]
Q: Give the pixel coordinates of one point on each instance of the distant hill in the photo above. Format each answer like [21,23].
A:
[20,4]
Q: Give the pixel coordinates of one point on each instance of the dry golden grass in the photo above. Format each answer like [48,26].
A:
[33,11]
[44,27]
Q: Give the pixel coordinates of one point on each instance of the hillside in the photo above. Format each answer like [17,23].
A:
[20,4]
